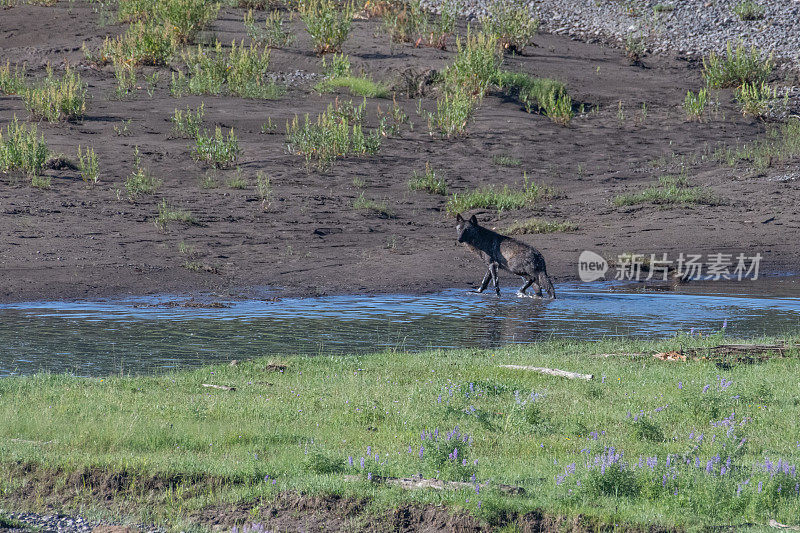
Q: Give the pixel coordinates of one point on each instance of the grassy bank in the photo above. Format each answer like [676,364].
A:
[686,444]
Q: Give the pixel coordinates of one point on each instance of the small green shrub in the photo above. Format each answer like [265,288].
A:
[429,182]
[11,81]
[264,189]
[242,71]
[167,214]
[453,111]
[21,148]
[57,98]
[737,67]
[365,204]
[238,180]
[635,47]
[546,95]
[756,99]
[327,22]
[476,65]
[669,191]
[180,19]
[500,199]
[140,181]
[125,74]
[272,35]
[87,165]
[41,182]
[695,104]
[338,75]
[337,132]
[143,43]
[749,10]
[217,150]
[535,225]
[511,24]
[558,108]
[187,123]
[506,161]
[406,21]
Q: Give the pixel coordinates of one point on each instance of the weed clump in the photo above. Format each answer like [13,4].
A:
[338,74]
[336,133]
[272,35]
[736,67]
[429,182]
[545,95]
[499,199]
[140,181]
[669,191]
[327,22]
[12,81]
[57,98]
[695,104]
[22,148]
[749,10]
[187,123]
[511,24]
[242,71]
[536,226]
[217,150]
[756,99]
[87,165]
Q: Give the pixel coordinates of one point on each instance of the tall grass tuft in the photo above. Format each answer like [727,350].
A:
[736,67]
[12,81]
[187,123]
[327,22]
[669,191]
[140,181]
[546,95]
[429,182]
[749,10]
[217,150]
[338,74]
[57,98]
[272,35]
[336,133]
[22,148]
[511,24]
[695,104]
[499,199]
[241,71]
[87,165]
[756,99]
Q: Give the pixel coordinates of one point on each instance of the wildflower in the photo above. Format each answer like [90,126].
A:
[680,385]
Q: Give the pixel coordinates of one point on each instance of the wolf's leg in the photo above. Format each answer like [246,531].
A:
[493,272]
[521,291]
[484,283]
[547,285]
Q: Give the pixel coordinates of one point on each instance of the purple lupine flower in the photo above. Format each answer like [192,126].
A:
[680,385]
[759,486]
[369,476]
[705,389]
[421,449]
[350,460]
[362,463]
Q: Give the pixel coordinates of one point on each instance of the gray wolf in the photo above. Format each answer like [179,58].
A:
[499,251]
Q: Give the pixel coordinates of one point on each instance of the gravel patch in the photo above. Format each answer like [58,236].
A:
[687,27]
[60,523]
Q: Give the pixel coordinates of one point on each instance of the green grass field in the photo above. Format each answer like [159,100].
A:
[706,442]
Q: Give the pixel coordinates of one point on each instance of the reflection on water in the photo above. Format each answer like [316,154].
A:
[141,335]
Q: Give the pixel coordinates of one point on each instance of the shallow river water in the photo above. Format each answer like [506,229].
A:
[153,334]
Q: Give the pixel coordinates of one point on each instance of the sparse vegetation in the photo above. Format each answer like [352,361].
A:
[22,148]
[500,199]
[336,133]
[140,181]
[363,203]
[187,123]
[12,81]
[736,67]
[781,143]
[506,161]
[635,47]
[429,182]
[535,225]
[57,98]
[670,190]
[238,180]
[217,150]
[41,182]
[406,21]
[545,95]
[511,24]
[241,71]
[167,214]
[264,189]
[272,35]
[338,74]
[695,104]
[145,42]
[87,164]
[756,99]
[749,10]
[327,22]
[179,19]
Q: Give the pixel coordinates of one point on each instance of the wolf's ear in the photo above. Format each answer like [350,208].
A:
[473,220]
[458,218]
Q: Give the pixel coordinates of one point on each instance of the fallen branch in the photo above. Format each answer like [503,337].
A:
[551,371]
[220,387]
[774,523]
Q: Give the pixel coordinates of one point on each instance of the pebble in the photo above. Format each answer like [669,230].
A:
[60,523]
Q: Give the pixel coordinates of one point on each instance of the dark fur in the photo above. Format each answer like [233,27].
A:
[499,251]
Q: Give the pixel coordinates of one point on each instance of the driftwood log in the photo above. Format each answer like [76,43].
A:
[551,371]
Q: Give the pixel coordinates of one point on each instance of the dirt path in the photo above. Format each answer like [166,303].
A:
[75,242]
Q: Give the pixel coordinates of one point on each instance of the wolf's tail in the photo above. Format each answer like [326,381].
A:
[547,285]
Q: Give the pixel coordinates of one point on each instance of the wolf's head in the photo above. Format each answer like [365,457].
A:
[465,229]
